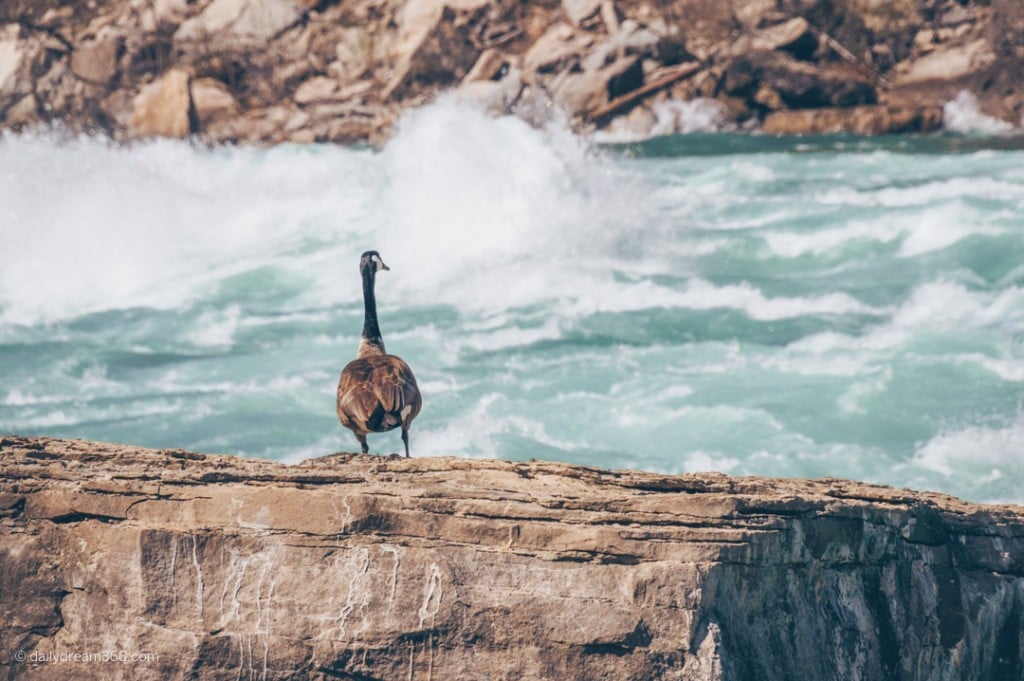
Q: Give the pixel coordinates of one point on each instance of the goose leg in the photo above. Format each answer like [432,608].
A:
[405,439]
[362,442]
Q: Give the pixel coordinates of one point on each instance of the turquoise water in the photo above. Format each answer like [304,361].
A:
[815,307]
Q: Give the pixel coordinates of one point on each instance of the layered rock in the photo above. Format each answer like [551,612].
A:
[198,566]
[277,70]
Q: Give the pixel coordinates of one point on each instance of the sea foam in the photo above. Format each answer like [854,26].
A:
[963,114]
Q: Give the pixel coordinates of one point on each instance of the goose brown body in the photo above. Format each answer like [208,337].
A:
[377,392]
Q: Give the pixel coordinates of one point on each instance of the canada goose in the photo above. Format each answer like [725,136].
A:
[377,391]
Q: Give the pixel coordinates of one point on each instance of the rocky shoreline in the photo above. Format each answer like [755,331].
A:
[183,565]
[271,71]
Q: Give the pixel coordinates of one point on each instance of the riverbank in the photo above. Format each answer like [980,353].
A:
[271,71]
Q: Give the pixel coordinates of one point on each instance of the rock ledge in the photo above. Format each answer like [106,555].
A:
[354,567]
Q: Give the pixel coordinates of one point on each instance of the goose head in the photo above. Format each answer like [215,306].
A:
[370,262]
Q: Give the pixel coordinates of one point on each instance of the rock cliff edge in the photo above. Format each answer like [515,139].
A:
[353,567]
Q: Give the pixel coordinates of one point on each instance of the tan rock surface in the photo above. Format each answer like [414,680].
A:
[861,120]
[95,61]
[579,12]
[11,55]
[212,101]
[17,52]
[433,44]
[948,63]
[365,568]
[795,35]
[23,112]
[162,107]
[236,24]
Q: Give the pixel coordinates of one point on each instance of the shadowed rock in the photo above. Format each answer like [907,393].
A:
[775,81]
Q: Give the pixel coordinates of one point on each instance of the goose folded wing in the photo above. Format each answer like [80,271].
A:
[395,389]
[356,403]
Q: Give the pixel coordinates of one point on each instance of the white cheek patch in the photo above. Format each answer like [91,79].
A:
[379,262]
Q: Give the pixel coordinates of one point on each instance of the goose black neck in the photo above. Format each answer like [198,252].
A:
[371,331]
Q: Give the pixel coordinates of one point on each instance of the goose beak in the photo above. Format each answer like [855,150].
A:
[383,266]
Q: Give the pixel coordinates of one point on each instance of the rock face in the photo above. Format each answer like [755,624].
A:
[162,107]
[180,565]
[861,120]
[270,71]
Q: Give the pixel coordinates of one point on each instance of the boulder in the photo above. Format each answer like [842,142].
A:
[535,106]
[212,101]
[10,59]
[488,66]
[14,65]
[316,89]
[630,40]
[54,17]
[435,46]
[580,12]
[754,14]
[496,97]
[861,120]
[353,54]
[638,124]
[63,92]
[169,13]
[298,120]
[360,126]
[162,108]
[581,74]
[924,40]
[95,61]
[794,36]
[610,16]
[959,14]
[265,124]
[358,90]
[560,48]
[760,77]
[237,24]
[24,112]
[586,92]
[706,26]
[947,63]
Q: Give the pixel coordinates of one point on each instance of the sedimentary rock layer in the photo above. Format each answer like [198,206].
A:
[182,565]
[270,71]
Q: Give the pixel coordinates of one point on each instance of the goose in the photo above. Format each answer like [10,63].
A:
[377,392]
